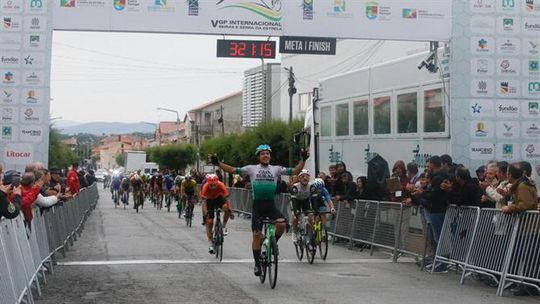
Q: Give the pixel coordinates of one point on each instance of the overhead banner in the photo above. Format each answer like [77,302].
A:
[25,56]
[419,20]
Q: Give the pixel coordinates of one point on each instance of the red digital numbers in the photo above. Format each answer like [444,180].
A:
[246,49]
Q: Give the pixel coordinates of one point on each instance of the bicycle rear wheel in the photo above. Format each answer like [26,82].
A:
[272,264]
[309,241]
[323,245]
[168,200]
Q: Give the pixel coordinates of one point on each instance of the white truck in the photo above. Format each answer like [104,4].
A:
[135,160]
[150,168]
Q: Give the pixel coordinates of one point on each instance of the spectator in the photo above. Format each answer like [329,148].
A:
[73,186]
[330,179]
[43,200]
[360,186]
[480,174]
[29,193]
[219,175]
[490,198]
[340,169]
[435,202]
[90,177]
[10,209]
[523,191]
[55,186]
[282,186]
[413,174]
[399,171]
[468,192]
[238,182]
[347,189]
[526,167]
[83,183]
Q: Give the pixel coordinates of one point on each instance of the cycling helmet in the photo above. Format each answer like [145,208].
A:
[187,176]
[263,148]
[303,172]
[318,183]
[212,179]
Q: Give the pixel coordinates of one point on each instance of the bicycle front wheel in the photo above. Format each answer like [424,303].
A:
[272,263]
[263,261]
[218,241]
[299,247]
[309,240]
[323,245]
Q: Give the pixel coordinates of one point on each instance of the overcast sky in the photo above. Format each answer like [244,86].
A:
[124,76]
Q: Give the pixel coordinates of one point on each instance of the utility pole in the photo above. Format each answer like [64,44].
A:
[292,91]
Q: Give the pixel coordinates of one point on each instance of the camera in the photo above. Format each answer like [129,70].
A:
[429,63]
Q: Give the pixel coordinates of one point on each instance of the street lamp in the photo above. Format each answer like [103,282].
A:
[177,121]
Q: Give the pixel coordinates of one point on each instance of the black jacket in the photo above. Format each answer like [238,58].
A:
[467,195]
[4,206]
[434,199]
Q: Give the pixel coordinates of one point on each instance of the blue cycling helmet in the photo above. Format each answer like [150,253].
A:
[318,183]
[263,148]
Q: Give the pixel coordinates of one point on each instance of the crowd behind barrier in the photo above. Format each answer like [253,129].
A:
[485,241]
[27,252]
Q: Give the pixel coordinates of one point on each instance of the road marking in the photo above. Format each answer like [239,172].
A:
[236,261]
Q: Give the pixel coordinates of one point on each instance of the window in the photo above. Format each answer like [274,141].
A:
[407,118]
[381,112]
[361,117]
[304,101]
[326,121]
[342,119]
[207,118]
[434,118]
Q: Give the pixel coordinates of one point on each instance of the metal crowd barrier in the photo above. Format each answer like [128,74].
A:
[27,251]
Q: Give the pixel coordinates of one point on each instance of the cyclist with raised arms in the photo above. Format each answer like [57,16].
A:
[300,200]
[214,195]
[264,183]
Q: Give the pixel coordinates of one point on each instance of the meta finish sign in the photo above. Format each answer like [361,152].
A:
[307,45]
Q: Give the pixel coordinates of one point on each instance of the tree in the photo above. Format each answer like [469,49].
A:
[60,155]
[121,159]
[238,149]
[173,156]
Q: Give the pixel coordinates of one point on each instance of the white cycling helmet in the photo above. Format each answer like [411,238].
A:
[303,172]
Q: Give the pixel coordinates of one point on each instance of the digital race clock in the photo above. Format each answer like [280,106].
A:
[246,49]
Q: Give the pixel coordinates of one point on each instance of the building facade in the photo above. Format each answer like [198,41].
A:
[260,94]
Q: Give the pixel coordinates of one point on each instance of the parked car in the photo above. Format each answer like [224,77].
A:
[100,174]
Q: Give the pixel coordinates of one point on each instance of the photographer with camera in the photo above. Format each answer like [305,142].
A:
[10,188]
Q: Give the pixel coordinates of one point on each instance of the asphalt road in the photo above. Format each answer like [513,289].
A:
[152,257]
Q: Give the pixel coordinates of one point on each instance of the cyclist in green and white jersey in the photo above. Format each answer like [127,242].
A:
[263,182]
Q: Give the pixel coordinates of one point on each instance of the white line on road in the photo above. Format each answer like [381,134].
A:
[237,261]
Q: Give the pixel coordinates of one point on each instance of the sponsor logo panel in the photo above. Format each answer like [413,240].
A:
[34,41]
[481,151]
[33,96]
[35,24]
[507,108]
[531,88]
[507,151]
[531,26]
[11,23]
[482,66]
[508,46]
[33,60]
[10,59]
[31,115]
[10,77]
[508,88]
[530,151]
[482,24]
[531,109]
[31,133]
[36,6]
[9,96]
[508,67]
[9,133]
[19,153]
[9,115]
[482,6]
[531,46]
[508,25]
[482,87]
[481,129]
[508,130]
[531,67]
[482,45]
[482,108]
[307,9]
[10,41]
[508,6]
[33,77]
[530,129]
[11,6]
[531,7]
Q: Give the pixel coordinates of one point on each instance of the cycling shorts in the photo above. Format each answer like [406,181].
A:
[262,209]
[213,204]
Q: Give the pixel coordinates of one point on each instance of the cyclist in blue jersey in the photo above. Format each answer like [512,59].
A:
[264,183]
